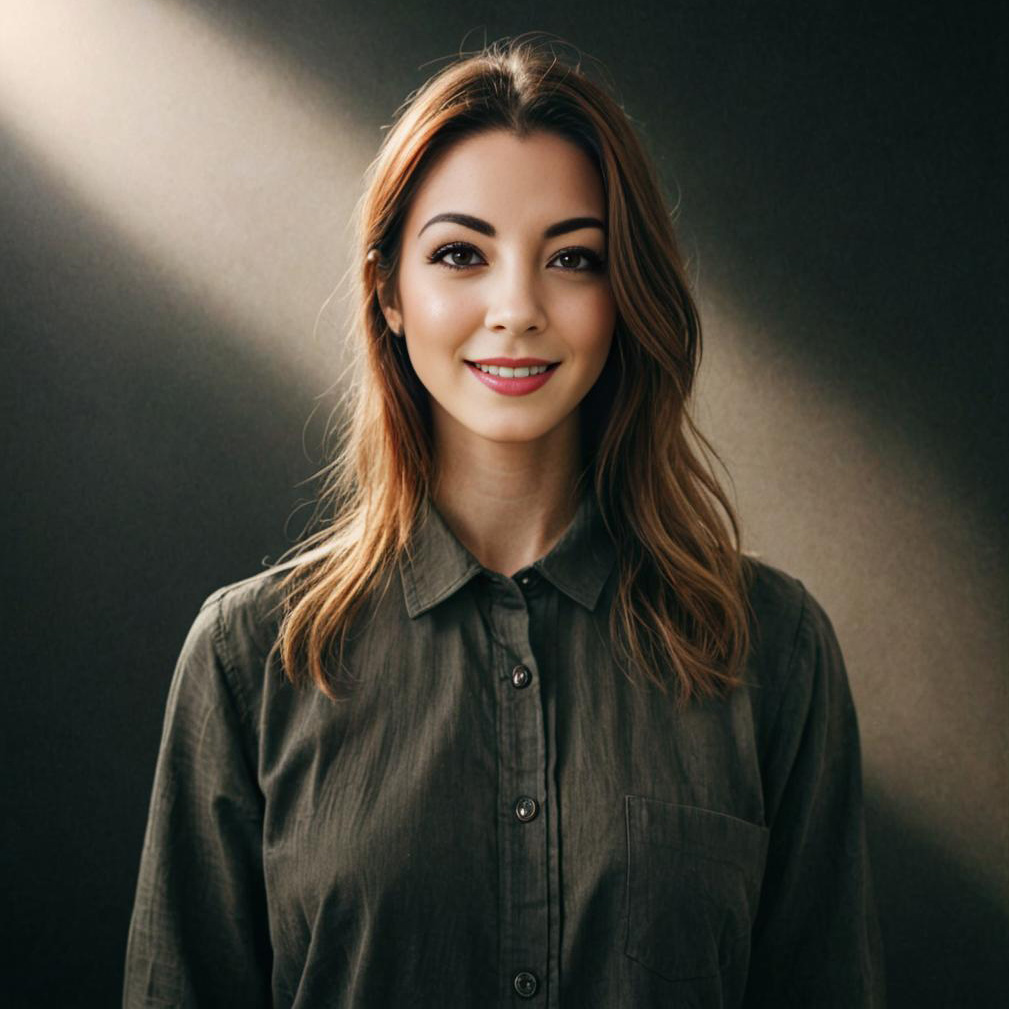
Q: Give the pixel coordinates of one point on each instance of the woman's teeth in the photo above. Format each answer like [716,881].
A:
[493,369]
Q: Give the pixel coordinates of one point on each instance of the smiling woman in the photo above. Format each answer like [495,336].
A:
[587,751]
[529,290]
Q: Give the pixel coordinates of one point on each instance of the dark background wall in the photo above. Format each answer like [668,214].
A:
[175,189]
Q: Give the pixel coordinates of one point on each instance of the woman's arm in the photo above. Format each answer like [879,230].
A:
[816,938]
[199,934]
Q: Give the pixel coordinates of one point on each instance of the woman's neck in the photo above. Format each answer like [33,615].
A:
[508,503]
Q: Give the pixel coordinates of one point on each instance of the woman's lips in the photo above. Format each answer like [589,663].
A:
[513,386]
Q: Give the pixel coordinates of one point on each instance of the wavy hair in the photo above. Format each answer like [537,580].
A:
[680,612]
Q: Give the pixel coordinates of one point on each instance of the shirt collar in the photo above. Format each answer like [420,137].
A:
[578,564]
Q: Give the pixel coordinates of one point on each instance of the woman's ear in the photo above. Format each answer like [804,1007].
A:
[390,307]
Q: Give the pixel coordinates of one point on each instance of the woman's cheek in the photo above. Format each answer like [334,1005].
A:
[447,312]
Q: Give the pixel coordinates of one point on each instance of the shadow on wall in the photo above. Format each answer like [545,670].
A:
[945,931]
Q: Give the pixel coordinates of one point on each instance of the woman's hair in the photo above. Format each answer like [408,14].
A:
[680,607]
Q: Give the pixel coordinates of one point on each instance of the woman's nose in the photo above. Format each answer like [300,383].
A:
[514,299]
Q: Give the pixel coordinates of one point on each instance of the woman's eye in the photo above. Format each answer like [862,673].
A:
[570,256]
[450,255]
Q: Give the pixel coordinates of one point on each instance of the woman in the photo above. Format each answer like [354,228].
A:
[523,724]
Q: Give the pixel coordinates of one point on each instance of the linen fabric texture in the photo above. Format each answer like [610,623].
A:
[494,815]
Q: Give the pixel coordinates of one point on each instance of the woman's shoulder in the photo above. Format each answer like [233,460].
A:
[791,631]
[802,702]
[244,615]
[247,605]
[776,598]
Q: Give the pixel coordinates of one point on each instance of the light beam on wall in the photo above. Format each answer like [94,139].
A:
[867,517]
[228,168]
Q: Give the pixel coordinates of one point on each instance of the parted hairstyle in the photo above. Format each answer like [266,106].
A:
[680,613]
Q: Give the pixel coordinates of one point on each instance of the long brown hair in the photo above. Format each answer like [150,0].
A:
[680,607]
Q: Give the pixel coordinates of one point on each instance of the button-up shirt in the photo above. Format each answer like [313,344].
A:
[495,815]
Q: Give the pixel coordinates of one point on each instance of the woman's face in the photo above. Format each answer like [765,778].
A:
[524,277]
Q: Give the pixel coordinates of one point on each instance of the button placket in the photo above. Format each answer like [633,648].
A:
[522,834]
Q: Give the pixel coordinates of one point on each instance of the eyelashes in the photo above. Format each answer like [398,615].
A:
[596,263]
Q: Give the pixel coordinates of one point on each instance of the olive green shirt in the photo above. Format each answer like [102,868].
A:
[495,816]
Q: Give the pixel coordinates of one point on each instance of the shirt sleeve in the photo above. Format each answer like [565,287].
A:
[816,939]
[198,934]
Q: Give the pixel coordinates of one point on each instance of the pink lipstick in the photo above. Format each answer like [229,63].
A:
[514,386]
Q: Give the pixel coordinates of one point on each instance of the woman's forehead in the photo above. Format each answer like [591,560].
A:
[507,180]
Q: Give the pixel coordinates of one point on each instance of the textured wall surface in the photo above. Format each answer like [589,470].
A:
[176,184]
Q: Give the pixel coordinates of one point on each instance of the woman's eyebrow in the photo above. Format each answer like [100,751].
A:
[486,228]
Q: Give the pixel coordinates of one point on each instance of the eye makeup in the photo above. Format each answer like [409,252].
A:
[596,263]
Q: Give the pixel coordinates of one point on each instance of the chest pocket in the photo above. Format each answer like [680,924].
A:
[693,881]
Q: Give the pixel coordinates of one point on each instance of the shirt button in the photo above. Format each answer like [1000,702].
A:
[525,809]
[521,677]
[525,983]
